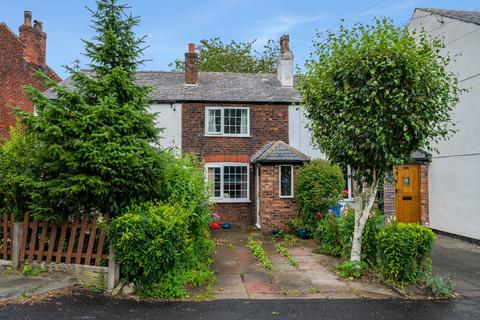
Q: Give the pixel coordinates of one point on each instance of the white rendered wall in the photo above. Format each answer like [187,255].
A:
[454,174]
[169,118]
[299,136]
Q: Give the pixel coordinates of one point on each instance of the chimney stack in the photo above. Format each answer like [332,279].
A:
[35,41]
[285,63]
[191,65]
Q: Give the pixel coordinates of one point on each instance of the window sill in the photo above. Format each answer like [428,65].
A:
[228,135]
[231,200]
[286,197]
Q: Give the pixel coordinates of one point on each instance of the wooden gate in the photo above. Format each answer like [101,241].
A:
[407,193]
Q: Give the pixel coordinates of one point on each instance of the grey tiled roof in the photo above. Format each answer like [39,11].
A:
[421,156]
[466,16]
[278,152]
[213,86]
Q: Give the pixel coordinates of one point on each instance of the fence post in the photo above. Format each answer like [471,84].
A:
[16,244]
[113,270]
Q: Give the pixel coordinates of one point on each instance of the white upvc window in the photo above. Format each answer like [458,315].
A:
[285,181]
[227,121]
[228,182]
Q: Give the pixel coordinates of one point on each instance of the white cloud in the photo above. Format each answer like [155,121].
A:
[281,24]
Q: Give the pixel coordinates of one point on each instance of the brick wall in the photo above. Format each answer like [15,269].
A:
[424,195]
[389,199]
[275,212]
[18,62]
[267,123]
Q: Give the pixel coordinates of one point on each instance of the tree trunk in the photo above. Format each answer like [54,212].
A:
[365,194]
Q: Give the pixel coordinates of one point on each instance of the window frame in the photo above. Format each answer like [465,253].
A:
[222,122]
[292,195]
[222,166]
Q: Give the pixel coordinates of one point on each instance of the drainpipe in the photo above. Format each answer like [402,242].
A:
[257,198]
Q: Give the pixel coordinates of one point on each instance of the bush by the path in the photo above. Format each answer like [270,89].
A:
[319,187]
[404,252]
[157,252]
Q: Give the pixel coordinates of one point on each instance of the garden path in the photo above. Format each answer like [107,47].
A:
[240,276]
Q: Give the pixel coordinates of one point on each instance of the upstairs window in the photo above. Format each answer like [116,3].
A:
[227,121]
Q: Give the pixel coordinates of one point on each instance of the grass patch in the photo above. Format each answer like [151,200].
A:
[258,252]
[281,250]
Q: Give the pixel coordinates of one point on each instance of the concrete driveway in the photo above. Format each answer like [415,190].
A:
[461,261]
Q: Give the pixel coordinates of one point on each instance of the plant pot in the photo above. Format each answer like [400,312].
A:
[215,225]
[303,234]
[226,225]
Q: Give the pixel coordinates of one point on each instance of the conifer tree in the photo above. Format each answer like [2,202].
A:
[97,137]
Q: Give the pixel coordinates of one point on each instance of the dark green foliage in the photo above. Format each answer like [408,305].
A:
[374,94]
[352,269]
[372,227]
[404,252]
[370,86]
[157,252]
[216,56]
[319,187]
[95,140]
[328,236]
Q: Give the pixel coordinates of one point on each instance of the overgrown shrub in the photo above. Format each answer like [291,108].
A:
[372,227]
[404,252]
[319,187]
[328,236]
[157,252]
[17,165]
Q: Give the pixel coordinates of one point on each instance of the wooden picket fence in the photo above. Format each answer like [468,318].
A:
[79,241]
[6,235]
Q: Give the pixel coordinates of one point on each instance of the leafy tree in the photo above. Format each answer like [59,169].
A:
[214,55]
[97,136]
[375,93]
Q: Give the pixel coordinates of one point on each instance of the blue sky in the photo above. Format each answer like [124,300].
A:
[171,25]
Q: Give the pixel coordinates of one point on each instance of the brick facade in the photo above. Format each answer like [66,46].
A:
[389,197]
[20,57]
[275,212]
[268,122]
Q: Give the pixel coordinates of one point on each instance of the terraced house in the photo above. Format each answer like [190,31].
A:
[246,130]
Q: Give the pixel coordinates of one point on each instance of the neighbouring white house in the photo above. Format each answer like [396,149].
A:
[454,173]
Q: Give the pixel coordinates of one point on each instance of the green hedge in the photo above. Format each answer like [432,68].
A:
[328,235]
[404,252]
[157,252]
[319,187]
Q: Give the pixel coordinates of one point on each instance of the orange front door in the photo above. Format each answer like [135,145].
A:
[407,193]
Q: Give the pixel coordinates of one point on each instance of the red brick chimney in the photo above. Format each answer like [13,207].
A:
[35,41]
[191,65]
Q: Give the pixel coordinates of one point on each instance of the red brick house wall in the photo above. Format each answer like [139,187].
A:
[268,122]
[20,57]
[275,212]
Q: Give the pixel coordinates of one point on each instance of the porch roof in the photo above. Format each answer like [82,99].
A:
[278,152]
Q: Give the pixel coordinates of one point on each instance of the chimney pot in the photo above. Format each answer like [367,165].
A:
[191,48]
[27,18]
[37,25]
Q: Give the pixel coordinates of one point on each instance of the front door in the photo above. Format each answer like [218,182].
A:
[407,193]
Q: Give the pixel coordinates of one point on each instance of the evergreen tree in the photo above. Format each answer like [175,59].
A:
[97,137]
